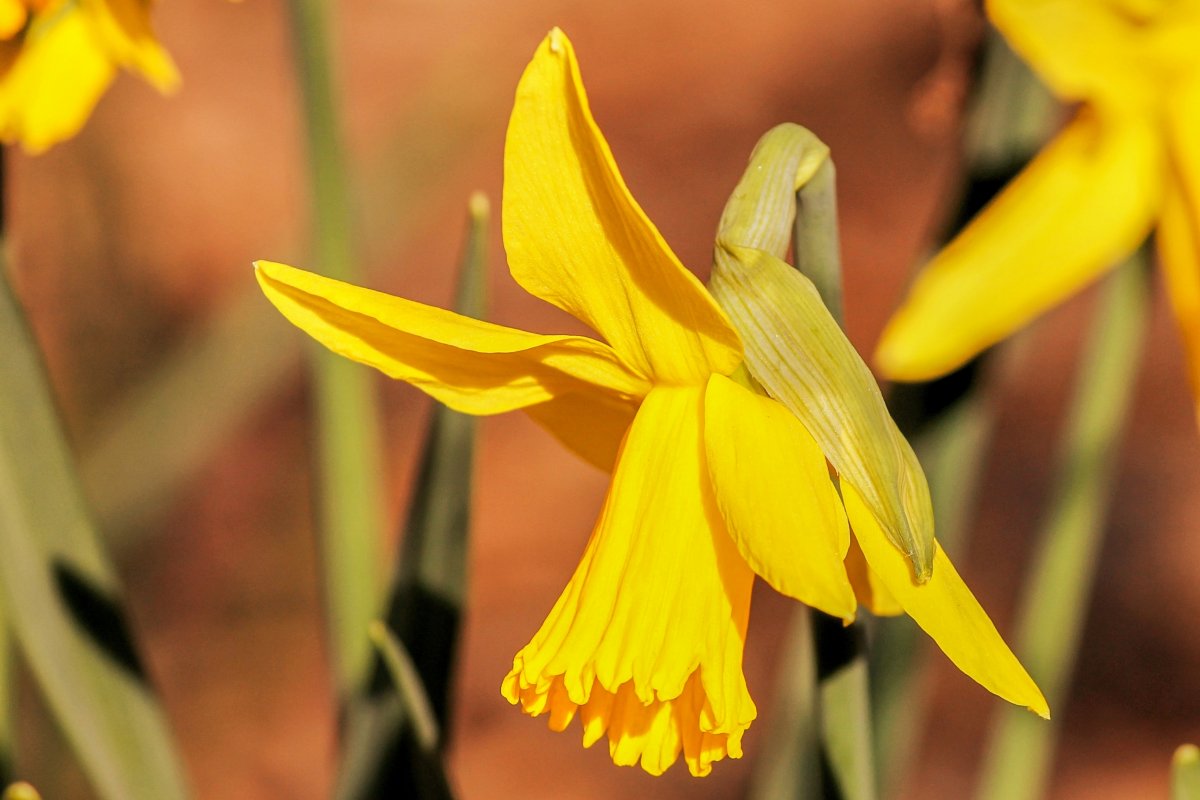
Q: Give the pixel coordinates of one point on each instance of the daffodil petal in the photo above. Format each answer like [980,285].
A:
[1121,53]
[1179,230]
[946,610]
[868,588]
[590,424]
[53,80]
[796,350]
[647,638]
[1085,203]
[13,14]
[576,238]
[124,27]
[775,494]
[472,366]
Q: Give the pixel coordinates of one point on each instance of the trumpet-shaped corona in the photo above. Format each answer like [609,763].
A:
[713,481]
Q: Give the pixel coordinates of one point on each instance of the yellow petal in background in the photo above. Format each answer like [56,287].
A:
[646,641]
[798,353]
[472,366]
[775,494]
[575,237]
[1117,52]
[54,80]
[1179,229]
[13,14]
[1084,204]
[946,610]
[123,26]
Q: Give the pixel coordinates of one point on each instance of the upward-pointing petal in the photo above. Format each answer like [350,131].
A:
[1084,204]
[576,238]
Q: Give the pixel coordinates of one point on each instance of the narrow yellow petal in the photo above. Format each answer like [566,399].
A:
[53,81]
[472,366]
[796,350]
[1118,52]
[774,491]
[868,588]
[946,610]
[1179,230]
[647,637]
[590,424]
[124,28]
[1084,204]
[576,238]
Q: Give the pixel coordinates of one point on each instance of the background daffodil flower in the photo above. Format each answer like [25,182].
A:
[1128,162]
[712,481]
[57,57]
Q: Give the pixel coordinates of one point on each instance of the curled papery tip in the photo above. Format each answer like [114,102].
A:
[479,206]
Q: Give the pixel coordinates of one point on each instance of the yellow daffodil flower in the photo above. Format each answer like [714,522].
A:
[1128,162]
[712,481]
[57,57]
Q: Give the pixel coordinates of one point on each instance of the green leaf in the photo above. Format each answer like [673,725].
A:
[383,756]
[7,701]
[1185,773]
[61,595]
[349,492]
[795,348]
[1055,598]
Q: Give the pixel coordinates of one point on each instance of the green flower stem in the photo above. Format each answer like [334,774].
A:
[60,594]
[950,445]
[789,765]
[1185,773]
[348,426]
[843,691]
[947,420]
[1054,603]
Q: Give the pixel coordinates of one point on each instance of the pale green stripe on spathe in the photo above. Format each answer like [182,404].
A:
[798,353]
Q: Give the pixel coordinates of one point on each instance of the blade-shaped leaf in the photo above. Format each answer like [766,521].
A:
[7,701]
[61,596]
[383,756]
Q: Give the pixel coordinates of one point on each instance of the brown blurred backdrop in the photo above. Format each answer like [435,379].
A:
[132,238]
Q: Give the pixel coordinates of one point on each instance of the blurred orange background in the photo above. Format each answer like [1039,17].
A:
[130,239]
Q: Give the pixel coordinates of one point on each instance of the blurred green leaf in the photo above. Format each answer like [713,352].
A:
[1009,117]
[382,757]
[788,764]
[148,446]
[7,701]
[61,595]
[1055,598]
[150,443]
[1185,773]
[349,459]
